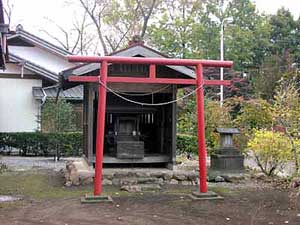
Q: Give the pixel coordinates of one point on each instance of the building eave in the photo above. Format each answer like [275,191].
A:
[74,94]
[20,33]
[35,68]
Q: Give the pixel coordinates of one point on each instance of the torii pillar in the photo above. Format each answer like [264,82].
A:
[103,79]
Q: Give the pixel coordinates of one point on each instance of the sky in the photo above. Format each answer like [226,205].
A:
[33,14]
[271,6]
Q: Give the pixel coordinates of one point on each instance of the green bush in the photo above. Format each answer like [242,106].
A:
[215,116]
[58,116]
[37,143]
[254,114]
[187,144]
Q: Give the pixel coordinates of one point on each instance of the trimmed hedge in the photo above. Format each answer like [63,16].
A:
[186,144]
[70,143]
[37,143]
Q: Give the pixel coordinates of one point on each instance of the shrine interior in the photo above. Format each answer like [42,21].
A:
[136,133]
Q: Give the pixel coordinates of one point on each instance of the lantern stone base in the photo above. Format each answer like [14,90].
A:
[210,195]
[227,159]
[92,199]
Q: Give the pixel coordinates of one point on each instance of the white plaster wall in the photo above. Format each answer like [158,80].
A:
[18,108]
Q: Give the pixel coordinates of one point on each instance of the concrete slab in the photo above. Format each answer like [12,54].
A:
[92,199]
[210,195]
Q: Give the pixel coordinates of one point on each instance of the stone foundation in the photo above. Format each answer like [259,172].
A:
[79,173]
[143,179]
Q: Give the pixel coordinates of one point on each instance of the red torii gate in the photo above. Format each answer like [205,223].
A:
[103,79]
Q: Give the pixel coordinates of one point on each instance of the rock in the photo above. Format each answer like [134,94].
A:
[86,178]
[108,176]
[150,187]
[9,198]
[128,181]
[173,181]
[141,174]
[115,182]
[120,174]
[78,172]
[167,175]
[195,182]
[185,182]
[73,174]
[146,180]
[210,178]
[131,188]
[179,176]
[68,184]
[106,182]
[160,181]
[157,174]
[259,176]
[192,175]
[219,179]
[62,172]
[295,182]
[131,174]
[233,178]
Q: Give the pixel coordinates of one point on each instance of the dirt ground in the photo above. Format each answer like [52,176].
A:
[46,201]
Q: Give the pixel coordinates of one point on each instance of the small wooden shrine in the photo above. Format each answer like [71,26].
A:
[134,133]
[139,128]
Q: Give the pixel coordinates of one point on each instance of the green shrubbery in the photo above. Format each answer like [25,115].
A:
[214,117]
[271,150]
[58,116]
[37,143]
[186,144]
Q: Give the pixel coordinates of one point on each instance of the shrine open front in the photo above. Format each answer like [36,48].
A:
[144,135]
[135,134]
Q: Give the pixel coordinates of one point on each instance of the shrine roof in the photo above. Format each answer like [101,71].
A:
[131,51]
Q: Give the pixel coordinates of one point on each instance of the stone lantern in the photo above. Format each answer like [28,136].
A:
[227,157]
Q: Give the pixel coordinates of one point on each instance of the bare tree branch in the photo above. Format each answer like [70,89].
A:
[8,10]
[97,22]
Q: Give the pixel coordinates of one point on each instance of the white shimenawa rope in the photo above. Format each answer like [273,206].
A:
[148,104]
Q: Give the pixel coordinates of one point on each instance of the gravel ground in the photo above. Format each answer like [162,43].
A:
[17,163]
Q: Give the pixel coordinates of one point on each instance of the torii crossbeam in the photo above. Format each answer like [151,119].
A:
[103,79]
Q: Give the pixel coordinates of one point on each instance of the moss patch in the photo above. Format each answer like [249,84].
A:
[38,185]
[44,184]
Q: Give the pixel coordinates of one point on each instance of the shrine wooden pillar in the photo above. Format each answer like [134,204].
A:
[201,128]
[100,128]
